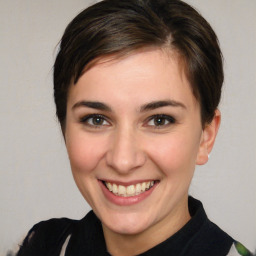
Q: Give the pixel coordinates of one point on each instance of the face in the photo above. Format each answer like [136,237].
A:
[133,136]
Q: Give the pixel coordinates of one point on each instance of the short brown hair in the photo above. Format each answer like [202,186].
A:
[114,27]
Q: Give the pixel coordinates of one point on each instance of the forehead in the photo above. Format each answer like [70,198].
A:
[145,75]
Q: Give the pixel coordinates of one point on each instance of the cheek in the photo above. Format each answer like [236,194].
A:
[84,152]
[175,154]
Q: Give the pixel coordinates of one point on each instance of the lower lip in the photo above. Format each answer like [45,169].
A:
[124,201]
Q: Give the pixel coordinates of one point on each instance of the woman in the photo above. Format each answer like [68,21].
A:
[137,86]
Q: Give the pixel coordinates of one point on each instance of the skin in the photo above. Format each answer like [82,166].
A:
[127,145]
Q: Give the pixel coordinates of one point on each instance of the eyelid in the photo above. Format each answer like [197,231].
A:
[84,120]
[171,120]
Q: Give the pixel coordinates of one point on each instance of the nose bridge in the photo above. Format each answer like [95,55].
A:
[124,153]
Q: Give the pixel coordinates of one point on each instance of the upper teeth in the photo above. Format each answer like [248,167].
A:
[130,190]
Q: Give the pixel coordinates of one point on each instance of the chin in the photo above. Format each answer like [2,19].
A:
[127,224]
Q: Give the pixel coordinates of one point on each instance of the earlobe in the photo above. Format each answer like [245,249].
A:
[208,138]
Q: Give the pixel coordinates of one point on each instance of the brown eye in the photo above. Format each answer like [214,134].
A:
[95,120]
[159,121]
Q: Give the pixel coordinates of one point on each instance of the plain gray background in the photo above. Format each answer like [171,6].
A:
[36,181]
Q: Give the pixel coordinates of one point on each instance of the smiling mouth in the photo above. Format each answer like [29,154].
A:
[131,190]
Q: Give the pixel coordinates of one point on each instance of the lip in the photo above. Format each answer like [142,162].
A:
[125,183]
[126,201]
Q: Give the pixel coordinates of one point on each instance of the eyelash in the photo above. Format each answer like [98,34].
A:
[161,117]
[86,119]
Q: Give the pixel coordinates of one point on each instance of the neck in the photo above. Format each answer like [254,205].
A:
[134,244]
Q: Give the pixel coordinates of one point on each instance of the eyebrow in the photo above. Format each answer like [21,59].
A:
[146,107]
[92,104]
[163,103]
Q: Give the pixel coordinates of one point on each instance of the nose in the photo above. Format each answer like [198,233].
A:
[124,153]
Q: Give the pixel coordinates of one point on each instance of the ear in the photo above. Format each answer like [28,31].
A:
[208,136]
